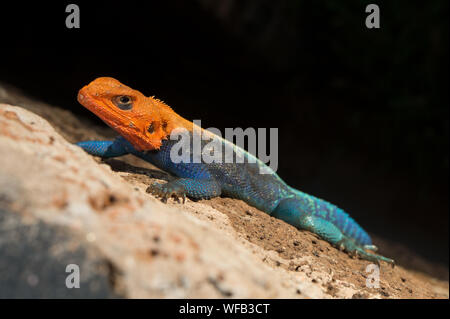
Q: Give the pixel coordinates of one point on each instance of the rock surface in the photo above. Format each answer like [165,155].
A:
[34,257]
[60,206]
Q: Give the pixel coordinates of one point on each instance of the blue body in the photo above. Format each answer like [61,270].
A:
[267,192]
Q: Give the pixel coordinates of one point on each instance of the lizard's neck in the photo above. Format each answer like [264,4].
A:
[167,120]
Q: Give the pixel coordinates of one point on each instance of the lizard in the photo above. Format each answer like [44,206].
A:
[146,127]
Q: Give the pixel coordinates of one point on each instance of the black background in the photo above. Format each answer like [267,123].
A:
[362,113]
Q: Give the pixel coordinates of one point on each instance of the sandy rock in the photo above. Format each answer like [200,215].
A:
[127,243]
[158,251]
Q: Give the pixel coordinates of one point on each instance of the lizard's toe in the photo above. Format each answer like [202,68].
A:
[371,247]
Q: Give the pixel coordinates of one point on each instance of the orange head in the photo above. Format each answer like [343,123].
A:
[143,121]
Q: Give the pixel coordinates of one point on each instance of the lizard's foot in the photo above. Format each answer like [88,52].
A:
[349,245]
[182,187]
[167,190]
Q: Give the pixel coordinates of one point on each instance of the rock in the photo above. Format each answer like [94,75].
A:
[35,256]
[60,206]
[64,206]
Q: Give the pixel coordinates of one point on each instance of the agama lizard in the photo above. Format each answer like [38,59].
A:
[145,125]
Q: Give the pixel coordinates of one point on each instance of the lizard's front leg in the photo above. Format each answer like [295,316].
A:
[105,149]
[182,187]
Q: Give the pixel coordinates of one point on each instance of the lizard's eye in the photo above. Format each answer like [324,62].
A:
[123,102]
[151,128]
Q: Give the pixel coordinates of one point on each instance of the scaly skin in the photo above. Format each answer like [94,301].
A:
[145,125]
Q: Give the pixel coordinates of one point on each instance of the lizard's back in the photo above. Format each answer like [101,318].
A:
[240,174]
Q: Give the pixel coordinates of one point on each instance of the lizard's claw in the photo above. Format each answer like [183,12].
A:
[371,247]
[354,249]
[166,191]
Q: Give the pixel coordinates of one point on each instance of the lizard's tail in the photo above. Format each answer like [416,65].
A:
[347,225]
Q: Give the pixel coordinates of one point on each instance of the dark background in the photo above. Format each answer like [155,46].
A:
[362,113]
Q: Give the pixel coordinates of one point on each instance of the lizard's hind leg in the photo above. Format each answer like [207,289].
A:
[182,187]
[294,212]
